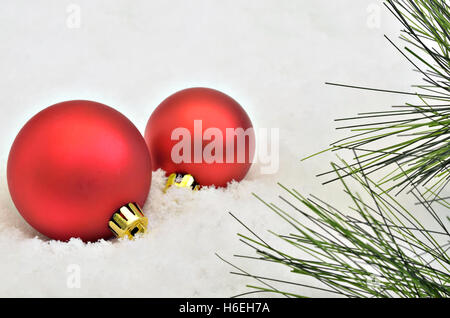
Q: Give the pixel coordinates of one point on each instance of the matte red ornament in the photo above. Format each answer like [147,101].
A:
[73,165]
[216,111]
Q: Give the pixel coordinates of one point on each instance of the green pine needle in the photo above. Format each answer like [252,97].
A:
[418,135]
[376,248]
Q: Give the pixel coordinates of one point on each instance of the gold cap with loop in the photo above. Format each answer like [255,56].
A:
[182,181]
[128,221]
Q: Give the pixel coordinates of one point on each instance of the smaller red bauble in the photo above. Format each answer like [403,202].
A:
[192,123]
[73,165]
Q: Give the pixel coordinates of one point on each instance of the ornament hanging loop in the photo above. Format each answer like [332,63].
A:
[128,221]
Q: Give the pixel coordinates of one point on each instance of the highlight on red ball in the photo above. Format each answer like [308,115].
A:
[207,134]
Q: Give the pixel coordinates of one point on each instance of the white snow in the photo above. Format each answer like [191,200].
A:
[272,56]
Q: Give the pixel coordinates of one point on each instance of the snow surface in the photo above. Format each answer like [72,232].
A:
[272,56]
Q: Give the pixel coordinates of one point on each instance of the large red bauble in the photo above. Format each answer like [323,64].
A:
[73,165]
[215,110]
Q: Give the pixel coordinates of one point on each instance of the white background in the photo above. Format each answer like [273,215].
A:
[272,56]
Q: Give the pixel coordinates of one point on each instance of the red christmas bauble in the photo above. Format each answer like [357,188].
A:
[73,165]
[203,115]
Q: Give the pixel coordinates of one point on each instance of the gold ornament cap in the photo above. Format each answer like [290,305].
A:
[128,221]
[182,181]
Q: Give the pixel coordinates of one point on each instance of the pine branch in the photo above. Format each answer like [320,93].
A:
[418,135]
[375,248]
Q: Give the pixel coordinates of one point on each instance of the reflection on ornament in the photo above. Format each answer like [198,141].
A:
[181,181]
[128,221]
